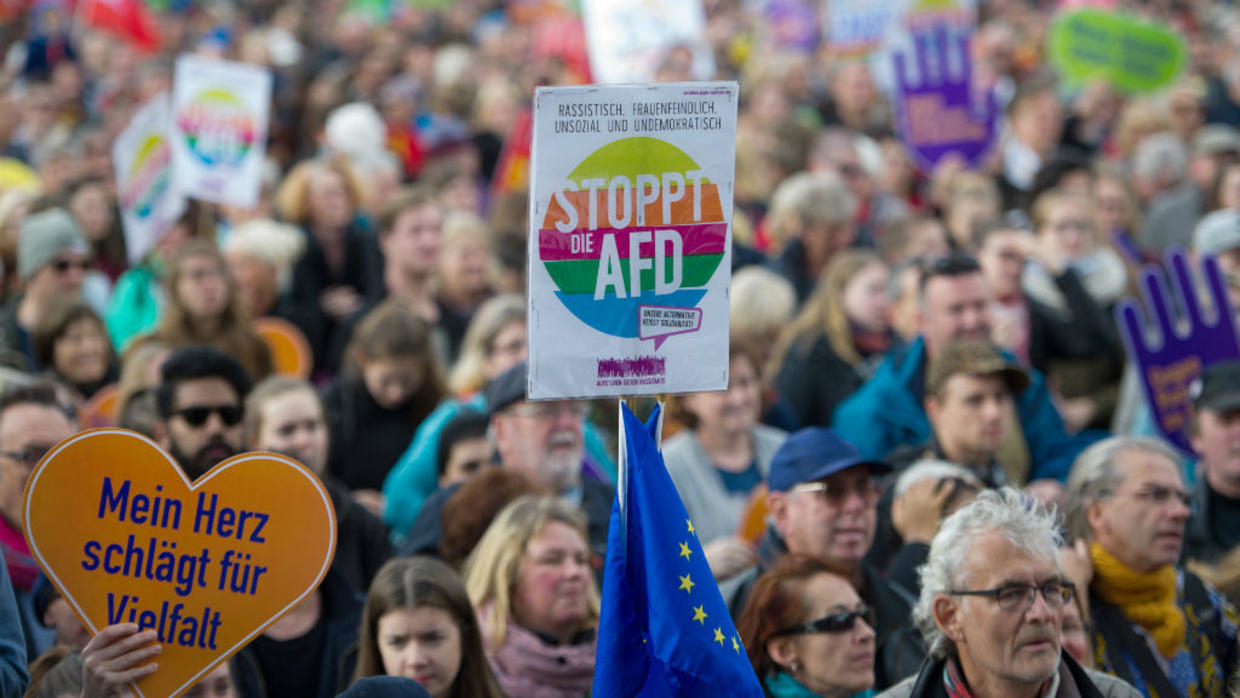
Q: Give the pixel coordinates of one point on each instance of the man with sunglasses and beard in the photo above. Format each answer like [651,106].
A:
[823,503]
[991,609]
[200,406]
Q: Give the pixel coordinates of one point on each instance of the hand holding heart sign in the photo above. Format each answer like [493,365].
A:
[144,556]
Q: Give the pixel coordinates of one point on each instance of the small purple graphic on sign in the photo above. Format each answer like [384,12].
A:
[1171,352]
[658,322]
[939,111]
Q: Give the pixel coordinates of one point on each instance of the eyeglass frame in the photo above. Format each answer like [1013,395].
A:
[1150,493]
[823,489]
[1031,591]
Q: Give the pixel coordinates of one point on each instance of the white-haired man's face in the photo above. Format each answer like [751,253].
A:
[1001,650]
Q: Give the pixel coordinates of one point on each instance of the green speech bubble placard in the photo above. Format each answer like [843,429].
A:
[1132,54]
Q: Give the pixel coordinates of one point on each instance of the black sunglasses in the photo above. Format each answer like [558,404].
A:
[198,415]
[835,623]
[62,266]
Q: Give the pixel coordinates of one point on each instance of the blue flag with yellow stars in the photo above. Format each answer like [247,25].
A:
[664,629]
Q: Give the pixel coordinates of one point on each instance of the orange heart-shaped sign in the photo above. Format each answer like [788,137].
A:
[124,535]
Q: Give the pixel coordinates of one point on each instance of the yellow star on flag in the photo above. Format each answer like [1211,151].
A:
[686,584]
[685,552]
[690,525]
[736,646]
[699,614]
[719,636]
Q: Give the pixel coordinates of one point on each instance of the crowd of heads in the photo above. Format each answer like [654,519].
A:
[933,455]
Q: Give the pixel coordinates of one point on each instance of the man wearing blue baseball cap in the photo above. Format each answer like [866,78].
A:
[823,502]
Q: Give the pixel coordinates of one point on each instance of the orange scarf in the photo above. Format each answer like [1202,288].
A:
[1146,599]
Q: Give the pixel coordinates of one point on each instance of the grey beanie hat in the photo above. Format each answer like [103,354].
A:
[43,237]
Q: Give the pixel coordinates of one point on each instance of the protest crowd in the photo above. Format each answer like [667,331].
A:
[936,470]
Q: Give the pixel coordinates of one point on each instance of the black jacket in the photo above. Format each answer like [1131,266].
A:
[363,272]
[1074,682]
[342,610]
[366,438]
[813,379]
[1199,541]
[899,645]
[362,544]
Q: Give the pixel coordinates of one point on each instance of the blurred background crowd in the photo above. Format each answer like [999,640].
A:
[924,335]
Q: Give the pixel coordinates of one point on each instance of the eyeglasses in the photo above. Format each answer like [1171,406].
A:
[551,408]
[835,623]
[29,456]
[198,415]
[836,493]
[63,266]
[1019,597]
[1160,495]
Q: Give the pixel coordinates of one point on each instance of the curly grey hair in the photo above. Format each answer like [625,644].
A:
[1024,521]
[1095,476]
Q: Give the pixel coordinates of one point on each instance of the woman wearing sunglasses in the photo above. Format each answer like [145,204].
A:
[808,633]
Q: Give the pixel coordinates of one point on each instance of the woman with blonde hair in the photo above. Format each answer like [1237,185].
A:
[837,339]
[341,270]
[203,307]
[531,582]
[418,623]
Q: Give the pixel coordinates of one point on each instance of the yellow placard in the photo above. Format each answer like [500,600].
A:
[125,537]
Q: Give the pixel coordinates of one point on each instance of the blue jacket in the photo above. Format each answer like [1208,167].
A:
[13,677]
[887,412]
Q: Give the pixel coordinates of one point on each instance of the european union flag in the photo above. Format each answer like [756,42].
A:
[664,630]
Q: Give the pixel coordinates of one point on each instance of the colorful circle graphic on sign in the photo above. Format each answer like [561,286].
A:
[636,223]
[217,128]
[149,176]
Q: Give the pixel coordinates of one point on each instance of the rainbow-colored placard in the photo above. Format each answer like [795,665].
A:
[145,181]
[630,244]
[220,114]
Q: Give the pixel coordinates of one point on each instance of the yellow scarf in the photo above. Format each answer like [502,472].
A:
[1146,599]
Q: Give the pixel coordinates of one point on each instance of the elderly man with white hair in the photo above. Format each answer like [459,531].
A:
[991,609]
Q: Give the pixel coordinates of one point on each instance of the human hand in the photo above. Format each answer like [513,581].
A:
[1077,412]
[916,512]
[373,500]
[114,658]
[1049,492]
[340,301]
[728,556]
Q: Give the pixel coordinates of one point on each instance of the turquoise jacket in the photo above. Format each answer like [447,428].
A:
[887,413]
[416,474]
[135,305]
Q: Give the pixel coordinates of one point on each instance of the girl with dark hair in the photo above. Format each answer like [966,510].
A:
[418,623]
[71,342]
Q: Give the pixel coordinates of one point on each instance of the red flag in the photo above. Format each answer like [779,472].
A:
[512,173]
[128,19]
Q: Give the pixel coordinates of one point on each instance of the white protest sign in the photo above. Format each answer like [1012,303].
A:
[220,112]
[630,239]
[628,39]
[146,191]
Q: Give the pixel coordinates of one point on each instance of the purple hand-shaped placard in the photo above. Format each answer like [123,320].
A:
[1171,353]
[939,113]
